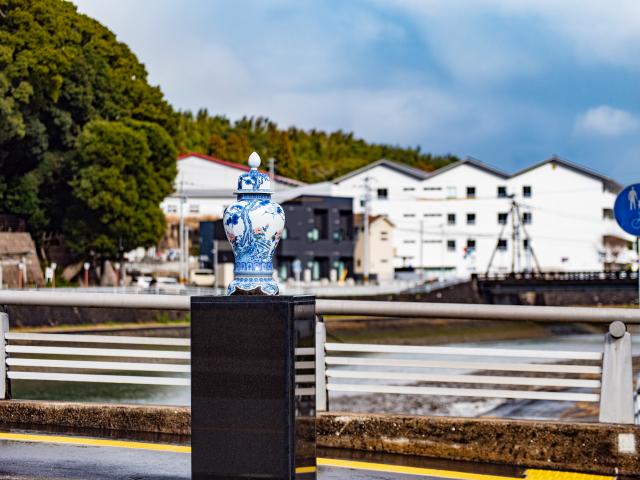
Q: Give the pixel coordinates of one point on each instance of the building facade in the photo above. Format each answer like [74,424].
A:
[318,237]
[381,249]
[471,218]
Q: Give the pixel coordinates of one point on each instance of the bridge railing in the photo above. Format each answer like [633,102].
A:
[121,359]
[332,367]
[397,369]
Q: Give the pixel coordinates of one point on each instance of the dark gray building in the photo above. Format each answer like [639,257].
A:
[319,233]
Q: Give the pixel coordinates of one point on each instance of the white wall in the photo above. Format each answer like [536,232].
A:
[566,208]
[195,174]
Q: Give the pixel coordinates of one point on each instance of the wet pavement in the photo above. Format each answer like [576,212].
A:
[36,455]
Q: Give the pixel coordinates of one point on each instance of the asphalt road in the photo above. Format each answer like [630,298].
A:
[28,455]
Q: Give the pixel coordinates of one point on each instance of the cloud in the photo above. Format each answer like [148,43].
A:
[607,121]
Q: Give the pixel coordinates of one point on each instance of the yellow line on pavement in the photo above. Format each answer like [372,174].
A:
[381,467]
[159,447]
[327,462]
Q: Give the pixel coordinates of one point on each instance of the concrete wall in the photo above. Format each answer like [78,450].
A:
[584,447]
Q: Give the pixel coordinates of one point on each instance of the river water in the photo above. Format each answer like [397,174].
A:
[165,395]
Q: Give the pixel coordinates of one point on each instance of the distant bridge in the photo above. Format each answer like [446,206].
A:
[559,288]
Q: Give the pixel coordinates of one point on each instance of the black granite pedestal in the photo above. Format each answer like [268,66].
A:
[248,422]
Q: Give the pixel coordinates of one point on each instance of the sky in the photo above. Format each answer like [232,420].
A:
[509,82]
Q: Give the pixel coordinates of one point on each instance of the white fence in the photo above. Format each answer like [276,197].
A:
[386,369]
[46,357]
[331,367]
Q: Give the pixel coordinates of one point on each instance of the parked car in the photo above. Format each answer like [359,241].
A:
[167,285]
[143,281]
[202,277]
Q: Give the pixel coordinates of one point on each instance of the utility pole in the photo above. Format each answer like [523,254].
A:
[181,231]
[442,250]
[272,173]
[367,205]
[513,238]
[421,252]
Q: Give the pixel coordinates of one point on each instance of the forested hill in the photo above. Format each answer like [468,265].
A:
[310,156]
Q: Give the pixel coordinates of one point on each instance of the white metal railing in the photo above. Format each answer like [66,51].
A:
[374,369]
[576,376]
[45,357]
[344,367]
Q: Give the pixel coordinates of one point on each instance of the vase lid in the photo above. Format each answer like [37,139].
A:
[254,181]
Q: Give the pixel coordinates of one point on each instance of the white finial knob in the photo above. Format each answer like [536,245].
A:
[254,160]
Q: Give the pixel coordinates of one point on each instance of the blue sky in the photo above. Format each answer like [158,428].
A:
[509,82]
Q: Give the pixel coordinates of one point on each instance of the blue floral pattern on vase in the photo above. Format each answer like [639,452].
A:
[253,225]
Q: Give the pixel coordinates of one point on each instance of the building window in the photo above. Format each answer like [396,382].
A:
[313,235]
[321,222]
[432,241]
[409,241]
[383,194]
[525,244]
[409,215]
[383,236]
[432,189]
[384,260]
[502,244]
[607,213]
[471,243]
[502,192]
[471,192]
[362,202]
[194,208]
[451,218]
[408,189]
[451,245]
[172,209]
[431,214]
[452,192]
[471,218]
[526,190]
[526,218]
[502,218]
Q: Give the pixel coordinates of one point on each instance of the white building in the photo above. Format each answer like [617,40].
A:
[207,185]
[457,220]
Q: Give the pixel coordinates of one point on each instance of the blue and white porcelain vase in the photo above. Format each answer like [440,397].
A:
[253,225]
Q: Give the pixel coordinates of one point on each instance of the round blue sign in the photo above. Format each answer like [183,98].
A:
[627,209]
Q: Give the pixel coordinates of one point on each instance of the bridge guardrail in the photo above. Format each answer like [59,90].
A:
[331,363]
[44,357]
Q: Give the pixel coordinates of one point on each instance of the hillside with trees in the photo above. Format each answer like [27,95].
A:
[310,156]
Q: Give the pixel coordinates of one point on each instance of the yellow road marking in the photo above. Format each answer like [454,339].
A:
[550,475]
[328,462]
[381,467]
[305,469]
[94,442]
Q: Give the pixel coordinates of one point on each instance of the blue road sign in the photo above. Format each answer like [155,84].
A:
[627,209]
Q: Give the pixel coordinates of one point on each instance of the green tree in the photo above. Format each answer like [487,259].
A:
[60,70]
[116,195]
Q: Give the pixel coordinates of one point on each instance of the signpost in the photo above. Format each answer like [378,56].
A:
[627,213]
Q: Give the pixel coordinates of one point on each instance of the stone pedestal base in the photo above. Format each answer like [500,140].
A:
[247,421]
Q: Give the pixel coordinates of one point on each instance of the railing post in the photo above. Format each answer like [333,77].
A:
[321,377]
[5,392]
[616,392]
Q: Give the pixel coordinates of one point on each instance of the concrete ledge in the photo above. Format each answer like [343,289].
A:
[584,447]
[552,445]
[137,418]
